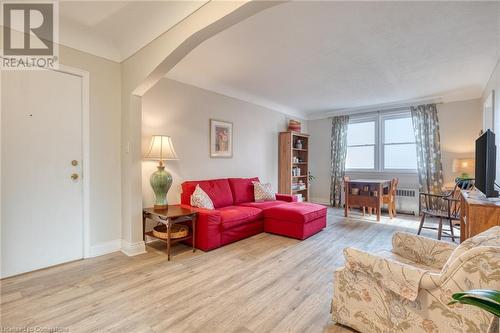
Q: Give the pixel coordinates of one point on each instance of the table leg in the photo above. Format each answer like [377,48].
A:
[346,199]
[168,239]
[379,202]
[194,232]
[144,226]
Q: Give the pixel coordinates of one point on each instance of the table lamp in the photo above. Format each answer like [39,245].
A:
[464,166]
[161,149]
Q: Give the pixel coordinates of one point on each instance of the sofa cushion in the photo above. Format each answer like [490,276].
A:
[242,189]
[263,191]
[233,216]
[200,199]
[297,212]
[217,189]
[263,205]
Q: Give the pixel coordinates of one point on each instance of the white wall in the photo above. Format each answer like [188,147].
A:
[460,123]
[105,125]
[493,121]
[183,112]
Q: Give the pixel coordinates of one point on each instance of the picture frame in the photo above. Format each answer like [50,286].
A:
[221,139]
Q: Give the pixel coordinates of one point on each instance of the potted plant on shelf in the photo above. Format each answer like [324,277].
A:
[310,178]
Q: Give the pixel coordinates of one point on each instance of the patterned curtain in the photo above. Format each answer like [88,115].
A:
[426,128]
[338,156]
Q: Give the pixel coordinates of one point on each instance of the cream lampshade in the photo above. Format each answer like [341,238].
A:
[464,166]
[161,149]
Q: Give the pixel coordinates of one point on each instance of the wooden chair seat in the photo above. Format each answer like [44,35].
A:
[440,213]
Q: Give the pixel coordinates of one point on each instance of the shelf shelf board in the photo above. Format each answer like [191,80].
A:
[299,176]
[300,163]
[296,149]
[296,191]
[304,135]
[172,241]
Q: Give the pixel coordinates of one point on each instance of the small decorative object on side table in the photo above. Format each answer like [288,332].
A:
[170,216]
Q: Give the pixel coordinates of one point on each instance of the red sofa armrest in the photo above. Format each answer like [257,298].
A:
[208,229]
[286,197]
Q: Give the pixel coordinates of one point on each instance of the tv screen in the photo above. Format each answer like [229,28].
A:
[486,164]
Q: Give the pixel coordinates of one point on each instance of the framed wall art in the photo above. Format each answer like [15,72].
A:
[221,139]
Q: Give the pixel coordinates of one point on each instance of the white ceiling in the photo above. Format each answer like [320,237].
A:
[117,29]
[309,58]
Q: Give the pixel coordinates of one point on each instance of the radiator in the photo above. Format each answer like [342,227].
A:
[407,200]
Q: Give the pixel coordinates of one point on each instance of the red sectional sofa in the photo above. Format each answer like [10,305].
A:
[237,215]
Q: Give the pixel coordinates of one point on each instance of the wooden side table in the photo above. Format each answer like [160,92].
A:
[171,215]
[366,196]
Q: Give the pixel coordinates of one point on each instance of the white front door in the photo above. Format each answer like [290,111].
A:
[41,148]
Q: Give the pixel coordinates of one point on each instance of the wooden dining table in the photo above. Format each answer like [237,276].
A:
[365,193]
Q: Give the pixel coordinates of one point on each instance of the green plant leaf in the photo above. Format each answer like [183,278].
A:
[483,299]
[493,295]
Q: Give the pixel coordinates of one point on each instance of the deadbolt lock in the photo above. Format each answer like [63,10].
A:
[74,163]
[74,176]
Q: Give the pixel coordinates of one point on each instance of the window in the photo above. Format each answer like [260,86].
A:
[381,143]
[400,151]
[361,145]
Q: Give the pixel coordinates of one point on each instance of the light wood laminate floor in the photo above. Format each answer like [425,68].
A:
[265,283]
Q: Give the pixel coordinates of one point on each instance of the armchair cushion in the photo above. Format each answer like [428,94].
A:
[402,279]
[422,250]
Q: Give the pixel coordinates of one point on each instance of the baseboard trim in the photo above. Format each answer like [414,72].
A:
[104,248]
[133,249]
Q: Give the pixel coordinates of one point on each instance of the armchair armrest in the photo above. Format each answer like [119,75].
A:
[400,278]
[423,250]
[477,268]
[286,197]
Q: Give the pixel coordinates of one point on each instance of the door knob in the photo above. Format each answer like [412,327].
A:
[74,176]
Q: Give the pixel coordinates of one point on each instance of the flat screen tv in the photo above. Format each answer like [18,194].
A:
[486,164]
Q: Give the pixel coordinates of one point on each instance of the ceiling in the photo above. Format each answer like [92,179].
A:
[309,58]
[117,29]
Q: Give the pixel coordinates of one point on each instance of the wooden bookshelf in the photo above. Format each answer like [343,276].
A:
[288,155]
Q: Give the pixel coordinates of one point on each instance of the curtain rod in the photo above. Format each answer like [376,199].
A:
[381,110]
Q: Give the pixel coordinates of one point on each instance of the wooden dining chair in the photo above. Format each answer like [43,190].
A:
[389,198]
[444,206]
[346,180]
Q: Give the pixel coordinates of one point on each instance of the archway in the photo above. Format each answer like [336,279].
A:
[144,70]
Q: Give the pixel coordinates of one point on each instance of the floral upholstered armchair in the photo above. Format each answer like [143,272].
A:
[408,288]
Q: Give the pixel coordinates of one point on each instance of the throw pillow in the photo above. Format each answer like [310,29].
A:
[200,199]
[263,192]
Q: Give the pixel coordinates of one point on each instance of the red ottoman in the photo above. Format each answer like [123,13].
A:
[295,219]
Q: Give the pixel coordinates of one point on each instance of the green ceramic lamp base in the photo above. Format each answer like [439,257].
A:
[160,181]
